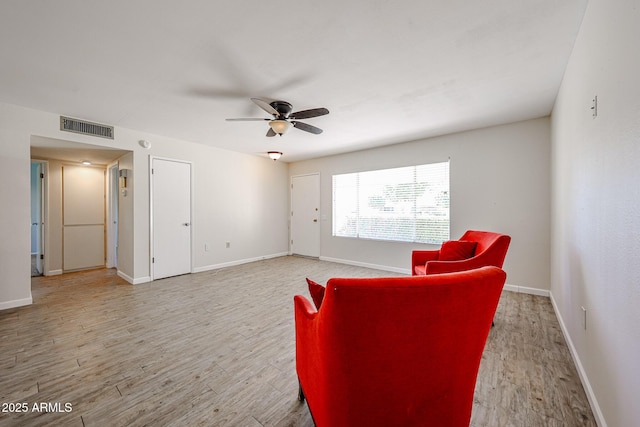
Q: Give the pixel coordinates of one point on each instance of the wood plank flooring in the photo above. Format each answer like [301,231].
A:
[217,349]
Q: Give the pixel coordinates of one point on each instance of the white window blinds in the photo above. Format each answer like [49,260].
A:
[408,204]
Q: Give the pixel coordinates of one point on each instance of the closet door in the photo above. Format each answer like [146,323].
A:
[170,217]
[83,195]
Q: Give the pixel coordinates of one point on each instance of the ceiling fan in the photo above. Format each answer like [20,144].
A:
[283,118]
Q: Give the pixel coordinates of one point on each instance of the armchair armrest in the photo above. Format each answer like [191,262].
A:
[308,347]
[422,256]
[304,307]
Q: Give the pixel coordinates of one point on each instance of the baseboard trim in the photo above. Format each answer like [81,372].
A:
[125,277]
[367,265]
[140,280]
[147,279]
[584,379]
[236,262]
[526,290]
[16,303]
[133,281]
[53,273]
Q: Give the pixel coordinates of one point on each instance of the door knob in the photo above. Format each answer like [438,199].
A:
[315,220]
[186,224]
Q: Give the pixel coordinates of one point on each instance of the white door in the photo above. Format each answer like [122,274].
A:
[171,217]
[305,215]
[83,217]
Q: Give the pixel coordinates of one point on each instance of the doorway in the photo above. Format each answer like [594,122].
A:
[83,213]
[305,215]
[170,217]
[54,154]
[38,174]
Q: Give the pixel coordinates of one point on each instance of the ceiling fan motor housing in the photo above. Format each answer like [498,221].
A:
[283,108]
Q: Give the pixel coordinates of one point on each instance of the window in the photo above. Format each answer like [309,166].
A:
[408,204]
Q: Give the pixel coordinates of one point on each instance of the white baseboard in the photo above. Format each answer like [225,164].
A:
[16,303]
[53,273]
[146,279]
[140,280]
[125,277]
[367,265]
[236,262]
[526,290]
[133,281]
[595,407]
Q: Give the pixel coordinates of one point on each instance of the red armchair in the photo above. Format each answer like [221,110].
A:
[395,351]
[489,249]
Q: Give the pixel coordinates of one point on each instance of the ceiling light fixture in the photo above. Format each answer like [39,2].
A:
[274,155]
[279,126]
[86,162]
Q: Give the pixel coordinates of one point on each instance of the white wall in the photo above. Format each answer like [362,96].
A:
[499,182]
[238,198]
[15,224]
[596,208]
[126,230]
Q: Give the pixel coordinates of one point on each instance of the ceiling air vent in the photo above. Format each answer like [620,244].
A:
[86,128]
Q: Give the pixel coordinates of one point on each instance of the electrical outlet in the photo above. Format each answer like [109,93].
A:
[584,318]
[228,244]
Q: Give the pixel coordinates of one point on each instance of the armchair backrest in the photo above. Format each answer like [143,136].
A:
[489,241]
[396,351]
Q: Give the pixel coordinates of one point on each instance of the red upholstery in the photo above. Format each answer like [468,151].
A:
[491,249]
[398,351]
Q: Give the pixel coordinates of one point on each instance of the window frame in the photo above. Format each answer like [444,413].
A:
[408,204]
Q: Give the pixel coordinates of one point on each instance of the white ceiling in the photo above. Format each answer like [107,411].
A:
[387,71]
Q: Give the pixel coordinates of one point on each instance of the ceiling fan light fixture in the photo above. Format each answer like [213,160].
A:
[274,155]
[280,126]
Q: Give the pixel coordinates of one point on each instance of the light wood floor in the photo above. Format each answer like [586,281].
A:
[217,349]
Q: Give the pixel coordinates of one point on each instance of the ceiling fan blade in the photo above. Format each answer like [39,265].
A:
[265,106]
[271,133]
[307,114]
[307,128]
[247,119]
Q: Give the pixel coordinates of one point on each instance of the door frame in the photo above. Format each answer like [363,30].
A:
[44,212]
[112,214]
[151,213]
[320,216]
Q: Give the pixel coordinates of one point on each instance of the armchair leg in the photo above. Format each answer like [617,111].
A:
[300,393]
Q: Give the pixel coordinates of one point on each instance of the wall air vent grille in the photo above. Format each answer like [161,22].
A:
[86,128]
